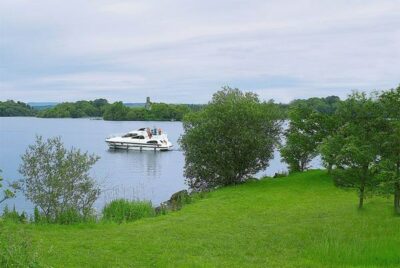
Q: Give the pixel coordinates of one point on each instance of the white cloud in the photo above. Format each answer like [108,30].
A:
[180,49]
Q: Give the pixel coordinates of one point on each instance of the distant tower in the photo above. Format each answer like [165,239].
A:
[148,104]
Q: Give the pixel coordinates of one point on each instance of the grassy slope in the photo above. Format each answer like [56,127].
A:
[299,221]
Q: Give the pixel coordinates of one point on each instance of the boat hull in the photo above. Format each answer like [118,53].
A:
[137,146]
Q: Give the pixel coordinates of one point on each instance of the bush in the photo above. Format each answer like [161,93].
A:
[73,216]
[122,210]
[57,180]
[14,216]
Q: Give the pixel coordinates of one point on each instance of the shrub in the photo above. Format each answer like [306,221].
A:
[57,179]
[122,210]
[14,216]
[38,217]
[72,216]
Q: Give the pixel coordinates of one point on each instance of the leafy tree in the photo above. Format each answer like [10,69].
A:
[354,148]
[99,103]
[77,109]
[57,180]
[326,105]
[308,125]
[116,111]
[301,142]
[230,139]
[159,111]
[8,192]
[390,147]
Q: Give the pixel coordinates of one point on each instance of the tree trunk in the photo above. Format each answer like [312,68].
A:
[362,188]
[397,198]
[361,201]
[330,168]
[302,166]
[397,191]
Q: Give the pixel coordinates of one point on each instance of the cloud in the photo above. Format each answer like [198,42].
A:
[183,51]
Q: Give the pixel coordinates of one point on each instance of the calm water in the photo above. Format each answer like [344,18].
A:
[130,174]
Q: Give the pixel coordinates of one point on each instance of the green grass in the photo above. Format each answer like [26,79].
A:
[298,221]
[15,246]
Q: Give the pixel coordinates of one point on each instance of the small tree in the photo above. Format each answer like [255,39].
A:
[300,142]
[233,137]
[354,148]
[57,180]
[308,125]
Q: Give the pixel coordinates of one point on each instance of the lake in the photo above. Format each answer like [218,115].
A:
[153,176]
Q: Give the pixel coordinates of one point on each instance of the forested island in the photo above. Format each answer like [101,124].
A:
[101,108]
[12,108]
[119,111]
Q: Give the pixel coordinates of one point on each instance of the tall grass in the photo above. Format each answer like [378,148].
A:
[15,248]
[123,210]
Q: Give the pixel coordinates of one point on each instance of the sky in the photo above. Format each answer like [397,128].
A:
[184,51]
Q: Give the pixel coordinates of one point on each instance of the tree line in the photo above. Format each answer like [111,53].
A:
[158,112]
[13,108]
[358,141]
[118,111]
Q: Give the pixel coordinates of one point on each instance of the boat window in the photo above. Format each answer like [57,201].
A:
[152,142]
[138,137]
[142,129]
[129,135]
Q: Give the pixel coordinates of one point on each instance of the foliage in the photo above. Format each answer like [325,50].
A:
[327,105]
[13,215]
[75,110]
[74,216]
[309,122]
[354,147]
[158,111]
[101,108]
[57,180]
[38,217]
[300,139]
[298,221]
[8,192]
[122,210]
[116,111]
[232,138]
[12,108]
[389,174]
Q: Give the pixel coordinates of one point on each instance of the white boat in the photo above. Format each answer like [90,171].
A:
[141,139]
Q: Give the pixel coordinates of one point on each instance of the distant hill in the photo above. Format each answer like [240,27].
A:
[134,104]
[42,105]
